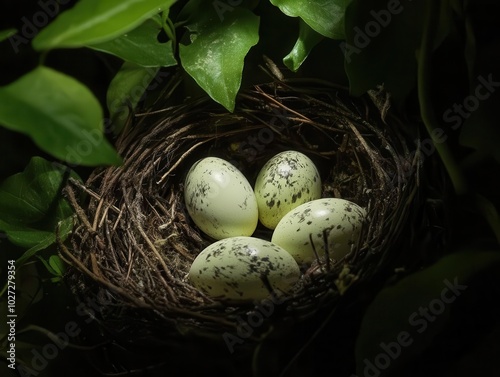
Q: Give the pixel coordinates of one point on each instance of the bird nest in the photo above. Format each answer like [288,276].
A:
[133,242]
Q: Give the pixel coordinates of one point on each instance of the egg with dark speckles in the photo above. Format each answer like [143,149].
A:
[219,199]
[243,269]
[329,222]
[286,181]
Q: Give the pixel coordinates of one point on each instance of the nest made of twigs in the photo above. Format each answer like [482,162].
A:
[134,242]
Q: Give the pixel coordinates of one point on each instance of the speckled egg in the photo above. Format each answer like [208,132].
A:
[286,181]
[336,219]
[219,199]
[233,269]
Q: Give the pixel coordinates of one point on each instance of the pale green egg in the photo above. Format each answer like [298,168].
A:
[286,181]
[239,268]
[219,199]
[314,226]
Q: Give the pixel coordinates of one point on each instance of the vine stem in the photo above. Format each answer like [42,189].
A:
[425,95]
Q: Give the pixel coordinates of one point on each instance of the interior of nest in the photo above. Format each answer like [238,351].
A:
[136,242]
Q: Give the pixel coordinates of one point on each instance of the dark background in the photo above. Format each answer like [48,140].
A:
[470,342]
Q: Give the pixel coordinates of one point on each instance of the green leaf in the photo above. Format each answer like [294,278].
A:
[140,46]
[125,91]
[308,38]
[60,114]
[7,33]
[215,57]
[26,198]
[324,16]
[403,318]
[31,206]
[54,265]
[47,265]
[39,239]
[28,237]
[96,21]
[57,265]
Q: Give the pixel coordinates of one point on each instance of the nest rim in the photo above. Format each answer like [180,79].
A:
[97,270]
